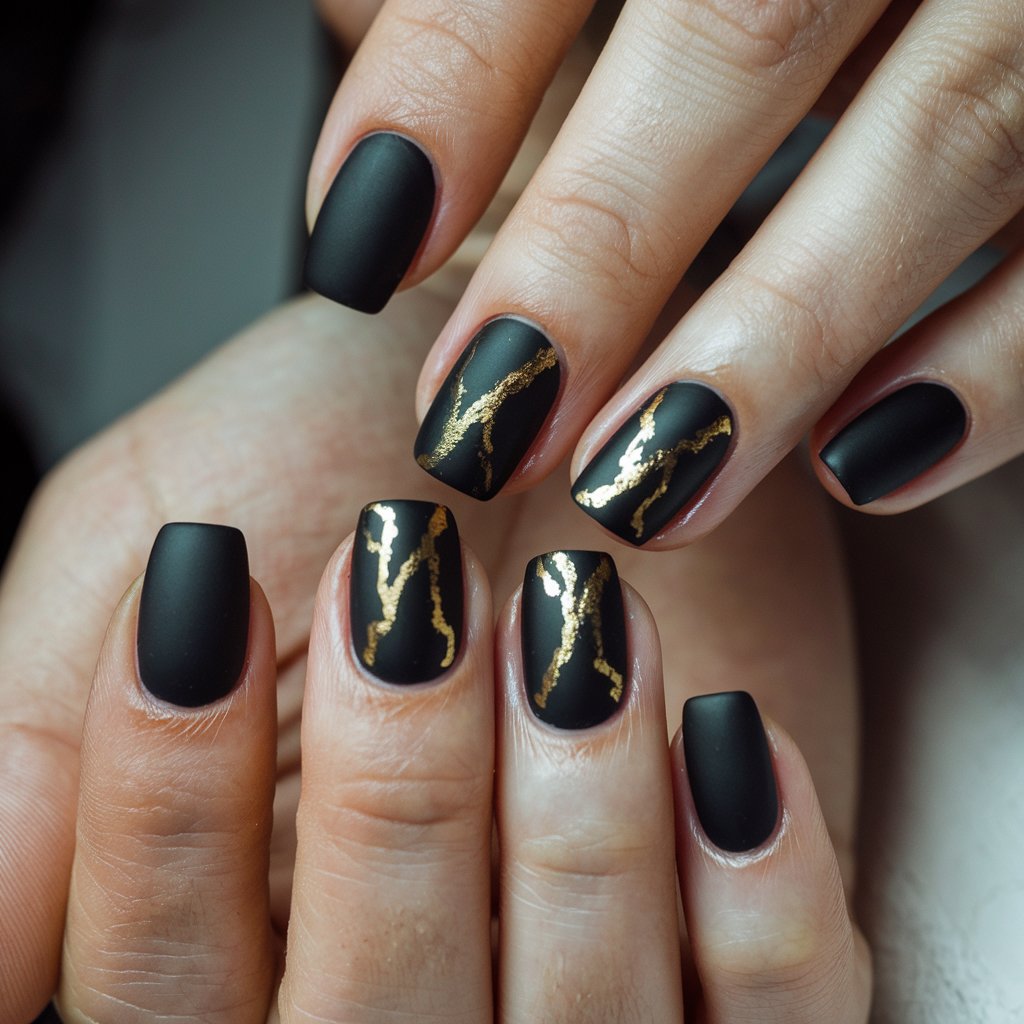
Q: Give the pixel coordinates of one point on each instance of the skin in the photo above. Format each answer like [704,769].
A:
[673,117]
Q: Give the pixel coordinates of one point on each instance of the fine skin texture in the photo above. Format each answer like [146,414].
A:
[682,106]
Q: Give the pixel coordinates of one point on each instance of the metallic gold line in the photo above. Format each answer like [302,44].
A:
[484,410]
[390,594]
[635,468]
[576,609]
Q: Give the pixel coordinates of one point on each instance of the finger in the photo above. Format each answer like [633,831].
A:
[391,913]
[923,168]
[632,188]
[588,923]
[765,910]
[421,131]
[168,909]
[940,406]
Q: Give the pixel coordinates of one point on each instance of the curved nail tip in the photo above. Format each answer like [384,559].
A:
[657,462]
[372,222]
[490,408]
[573,636]
[896,440]
[730,771]
[193,628]
[406,590]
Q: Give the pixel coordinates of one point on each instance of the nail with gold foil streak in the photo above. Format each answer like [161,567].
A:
[657,462]
[406,590]
[573,638]
[490,408]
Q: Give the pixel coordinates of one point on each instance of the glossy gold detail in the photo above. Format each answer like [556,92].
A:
[635,468]
[577,610]
[390,593]
[484,410]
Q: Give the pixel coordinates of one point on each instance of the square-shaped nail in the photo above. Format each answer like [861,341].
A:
[193,627]
[372,222]
[573,638]
[729,768]
[406,600]
[656,462]
[895,440]
[490,408]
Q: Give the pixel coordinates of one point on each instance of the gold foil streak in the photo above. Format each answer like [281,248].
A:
[576,611]
[390,593]
[635,468]
[484,410]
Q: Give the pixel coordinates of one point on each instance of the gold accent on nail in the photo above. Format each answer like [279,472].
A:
[587,606]
[634,469]
[391,593]
[484,410]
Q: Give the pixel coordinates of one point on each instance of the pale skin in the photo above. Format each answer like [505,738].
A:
[683,104]
[105,902]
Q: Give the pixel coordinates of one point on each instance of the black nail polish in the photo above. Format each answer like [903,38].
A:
[371,223]
[406,590]
[489,408]
[194,613]
[895,440]
[729,768]
[656,462]
[573,638]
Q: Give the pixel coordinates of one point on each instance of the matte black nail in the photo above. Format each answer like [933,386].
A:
[194,613]
[406,590]
[895,440]
[656,462]
[372,222]
[573,638]
[490,408]
[729,768]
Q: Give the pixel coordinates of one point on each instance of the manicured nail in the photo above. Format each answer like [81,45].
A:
[573,638]
[729,768]
[895,440]
[656,462]
[194,613]
[372,222]
[490,408]
[406,590]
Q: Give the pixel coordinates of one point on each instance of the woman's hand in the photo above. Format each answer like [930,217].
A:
[408,751]
[686,101]
[284,433]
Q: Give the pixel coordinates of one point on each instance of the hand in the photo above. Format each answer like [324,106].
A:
[686,101]
[270,435]
[169,913]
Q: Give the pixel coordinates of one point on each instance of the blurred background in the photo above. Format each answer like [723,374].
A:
[152,175]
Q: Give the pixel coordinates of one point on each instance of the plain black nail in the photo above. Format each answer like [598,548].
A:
[371,223]
[656,462]
[194,613]
[406,590]
[895,440]
[490,408]
[573,638]
[729,768]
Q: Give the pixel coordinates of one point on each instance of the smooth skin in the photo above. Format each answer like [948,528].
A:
[684,103]
[168,913]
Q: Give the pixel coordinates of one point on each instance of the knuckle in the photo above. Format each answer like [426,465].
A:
[965,105]
[769,36]
[595,232]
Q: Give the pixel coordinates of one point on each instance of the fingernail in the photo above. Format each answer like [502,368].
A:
[729,768]
[895,440]
[371,223]
[573,638]
[490,408]
[656,462]
[406,590]
[194,614]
